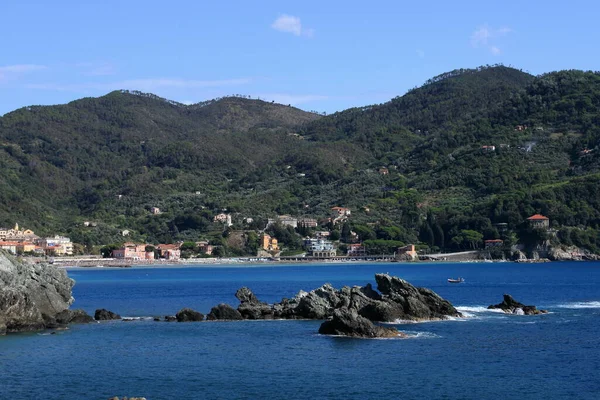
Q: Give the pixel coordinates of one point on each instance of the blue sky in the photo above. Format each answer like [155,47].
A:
[316,55]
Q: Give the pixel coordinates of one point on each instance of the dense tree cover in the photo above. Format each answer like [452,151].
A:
[111,159]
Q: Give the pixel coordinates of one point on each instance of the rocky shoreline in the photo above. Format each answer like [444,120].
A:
[37,296]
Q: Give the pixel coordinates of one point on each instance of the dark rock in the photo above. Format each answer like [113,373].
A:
[416,303]
[31,294]
[348,323]
[511,306]
[76,316]
[170,318]
[189,315]
[105,315]
[250,307]
[224,312]
[156,318]
[399,300]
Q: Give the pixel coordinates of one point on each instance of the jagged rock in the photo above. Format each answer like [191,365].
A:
[399,300]
[170,318]
[31,295]
[189,315]
[250,307]
[319,303]
[416,303]
[348,323]
[224,312]
[76,316]
[511,306]
[105,315]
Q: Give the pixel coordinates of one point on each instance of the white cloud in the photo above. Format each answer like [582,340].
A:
[290,24]
[485,37]
[12,71]
[148,85]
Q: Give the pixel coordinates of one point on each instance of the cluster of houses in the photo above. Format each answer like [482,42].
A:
[20,241]
[136,251]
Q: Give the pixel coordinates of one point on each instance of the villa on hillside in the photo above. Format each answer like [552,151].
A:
[285,220]
[539,221]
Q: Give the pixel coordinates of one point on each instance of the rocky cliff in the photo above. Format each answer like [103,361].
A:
[32,295]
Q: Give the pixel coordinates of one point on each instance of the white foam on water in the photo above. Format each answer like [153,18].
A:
[580,305]
[477,309]
[421,335]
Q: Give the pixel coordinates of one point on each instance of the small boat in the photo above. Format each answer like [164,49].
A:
[457,280]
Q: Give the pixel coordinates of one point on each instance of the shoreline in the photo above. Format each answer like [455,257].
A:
[234,263]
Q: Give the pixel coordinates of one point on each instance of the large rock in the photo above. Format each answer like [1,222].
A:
[347,322]
[511,306]
[189,315]
[223,312]
[398,300]
[103,314]
[31,295]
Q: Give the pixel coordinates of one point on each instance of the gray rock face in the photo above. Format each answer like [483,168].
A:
[31,295]
[189,315]
[105,315]
[223,312]
[347,322]
[511,306]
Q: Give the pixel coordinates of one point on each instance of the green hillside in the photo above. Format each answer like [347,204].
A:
[110,159]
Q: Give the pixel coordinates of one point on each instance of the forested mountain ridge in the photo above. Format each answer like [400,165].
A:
[63,164]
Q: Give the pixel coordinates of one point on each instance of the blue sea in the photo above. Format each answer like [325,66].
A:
[486,355]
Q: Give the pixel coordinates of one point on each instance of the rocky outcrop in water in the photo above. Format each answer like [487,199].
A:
[511,306]
[76,316]
[224,312]
[345,322]
[31,295]
[103,314]
[397,299]
[189,315]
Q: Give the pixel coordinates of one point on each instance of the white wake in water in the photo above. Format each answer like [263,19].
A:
[580,304]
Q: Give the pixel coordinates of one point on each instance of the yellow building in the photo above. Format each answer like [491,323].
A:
[268,243]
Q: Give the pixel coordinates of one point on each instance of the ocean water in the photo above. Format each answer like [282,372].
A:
[486,355]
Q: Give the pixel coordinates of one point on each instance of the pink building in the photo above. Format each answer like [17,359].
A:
[130,251]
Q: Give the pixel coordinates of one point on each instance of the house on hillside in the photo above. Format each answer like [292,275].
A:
[539,221]
[308,222]
[384,171]
[155,210]
[223,218]
[204,247]
[488,148]
[341,211]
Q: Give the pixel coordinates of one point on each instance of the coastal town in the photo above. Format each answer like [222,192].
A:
[320,241]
